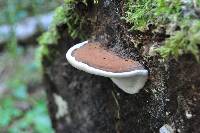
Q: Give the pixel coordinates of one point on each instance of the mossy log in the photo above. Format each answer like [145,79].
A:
[84,103]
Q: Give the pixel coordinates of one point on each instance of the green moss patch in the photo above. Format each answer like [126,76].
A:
[68,15]
[183,39]
[186,40]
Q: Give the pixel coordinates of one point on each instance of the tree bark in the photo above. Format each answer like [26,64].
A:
[83,103]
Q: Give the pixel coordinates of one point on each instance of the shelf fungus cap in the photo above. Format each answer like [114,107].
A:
[93,58]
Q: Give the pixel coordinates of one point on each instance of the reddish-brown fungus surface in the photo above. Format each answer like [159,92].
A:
[97,56]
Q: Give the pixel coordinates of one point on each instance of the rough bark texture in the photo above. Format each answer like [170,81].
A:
[84,103]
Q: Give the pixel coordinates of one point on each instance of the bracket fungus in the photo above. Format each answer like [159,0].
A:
[92,57]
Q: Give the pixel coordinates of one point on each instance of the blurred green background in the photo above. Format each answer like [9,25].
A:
[23,104]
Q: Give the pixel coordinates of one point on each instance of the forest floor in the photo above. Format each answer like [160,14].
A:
[23,99]
[23,106]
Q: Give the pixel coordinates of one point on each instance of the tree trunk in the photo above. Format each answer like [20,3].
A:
[83,103]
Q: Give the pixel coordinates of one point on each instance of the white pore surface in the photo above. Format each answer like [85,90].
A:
[130,82]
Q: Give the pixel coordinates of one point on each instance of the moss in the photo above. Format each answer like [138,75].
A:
[186,40]
[51,36]
[74,21]
[140,13]
[67,15]
[163,13]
